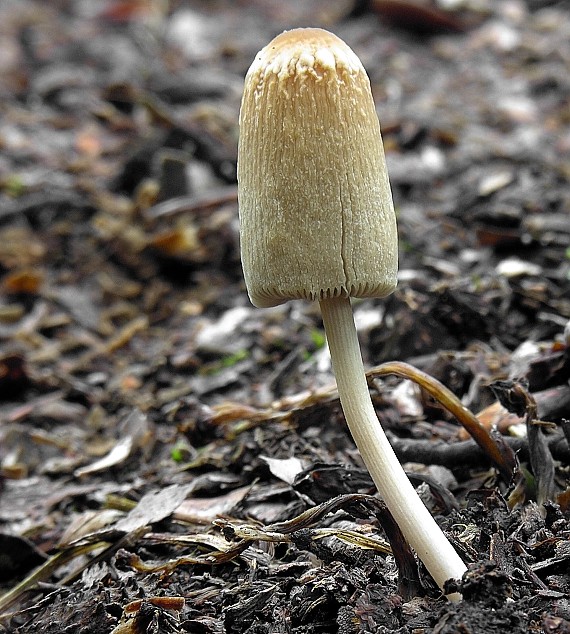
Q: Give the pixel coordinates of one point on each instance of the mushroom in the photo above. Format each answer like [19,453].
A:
[317,222]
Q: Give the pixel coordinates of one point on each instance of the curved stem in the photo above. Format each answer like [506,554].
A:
[503,456]
[413,518]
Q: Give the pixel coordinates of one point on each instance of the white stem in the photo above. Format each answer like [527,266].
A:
[415,521]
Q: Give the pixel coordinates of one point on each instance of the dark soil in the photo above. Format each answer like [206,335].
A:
[173,459]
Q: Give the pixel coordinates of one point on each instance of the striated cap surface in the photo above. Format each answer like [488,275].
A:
[316,213]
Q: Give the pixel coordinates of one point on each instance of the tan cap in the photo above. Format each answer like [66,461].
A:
[316,212]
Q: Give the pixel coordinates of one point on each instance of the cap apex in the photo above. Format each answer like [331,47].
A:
[305,51]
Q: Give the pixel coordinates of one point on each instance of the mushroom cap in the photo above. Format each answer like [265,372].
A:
[316,212]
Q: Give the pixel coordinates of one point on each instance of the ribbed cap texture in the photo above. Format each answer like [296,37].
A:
[316,213]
